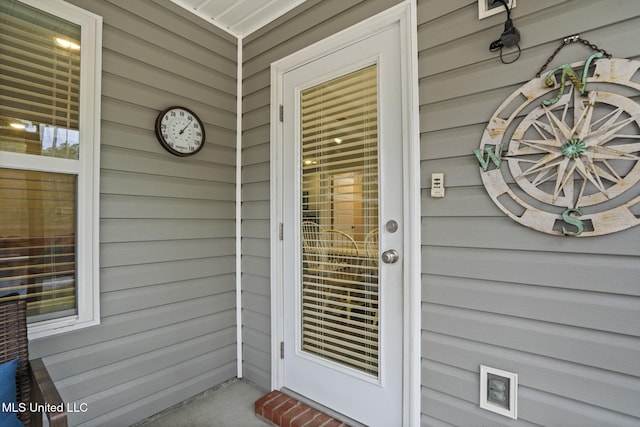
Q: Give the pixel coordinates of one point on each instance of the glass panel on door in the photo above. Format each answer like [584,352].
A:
[339,205]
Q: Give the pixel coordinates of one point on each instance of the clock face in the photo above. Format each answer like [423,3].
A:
[180,131]
[568,165]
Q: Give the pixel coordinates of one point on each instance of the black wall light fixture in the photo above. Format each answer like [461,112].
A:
[510,36]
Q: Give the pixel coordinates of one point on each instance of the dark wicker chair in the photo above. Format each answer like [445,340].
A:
[32,379]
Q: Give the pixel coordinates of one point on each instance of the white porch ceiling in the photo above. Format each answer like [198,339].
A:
[239,17]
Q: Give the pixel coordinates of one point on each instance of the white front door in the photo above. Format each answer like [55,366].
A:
[343,207]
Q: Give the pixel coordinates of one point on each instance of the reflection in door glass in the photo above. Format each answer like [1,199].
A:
[339,227]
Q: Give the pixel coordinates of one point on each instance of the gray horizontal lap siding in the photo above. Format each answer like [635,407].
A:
[564,318]
[562,313]
[167,241]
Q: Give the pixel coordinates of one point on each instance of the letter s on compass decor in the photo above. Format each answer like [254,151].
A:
[571,167]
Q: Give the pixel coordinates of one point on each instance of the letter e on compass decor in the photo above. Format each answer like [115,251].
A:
[569,166]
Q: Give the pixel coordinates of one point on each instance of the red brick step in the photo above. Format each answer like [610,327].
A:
[285,411]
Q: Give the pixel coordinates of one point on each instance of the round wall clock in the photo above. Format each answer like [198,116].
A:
[567,162]
[180,131]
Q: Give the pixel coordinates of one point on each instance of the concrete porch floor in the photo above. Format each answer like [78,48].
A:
[229,405]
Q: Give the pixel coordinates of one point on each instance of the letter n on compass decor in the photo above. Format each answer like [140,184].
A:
[562,155]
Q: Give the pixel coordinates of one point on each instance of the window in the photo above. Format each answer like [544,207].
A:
[49,162]
[339,175]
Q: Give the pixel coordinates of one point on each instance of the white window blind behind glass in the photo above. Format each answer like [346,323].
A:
[38,241]
[39,82]
[39,115]
[340,209]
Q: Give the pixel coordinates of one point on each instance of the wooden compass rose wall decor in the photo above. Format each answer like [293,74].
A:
[561,155]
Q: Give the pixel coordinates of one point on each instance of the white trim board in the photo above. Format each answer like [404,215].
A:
[238,225]
[404,14]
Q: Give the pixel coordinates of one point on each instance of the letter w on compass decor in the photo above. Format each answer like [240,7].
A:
[571,167]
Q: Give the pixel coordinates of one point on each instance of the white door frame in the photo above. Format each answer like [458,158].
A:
[404,14]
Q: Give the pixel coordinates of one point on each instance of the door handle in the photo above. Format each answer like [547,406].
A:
[390,256]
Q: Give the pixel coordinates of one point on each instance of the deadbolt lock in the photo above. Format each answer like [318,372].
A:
[391,226]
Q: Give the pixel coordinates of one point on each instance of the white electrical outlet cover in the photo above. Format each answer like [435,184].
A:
[485,11]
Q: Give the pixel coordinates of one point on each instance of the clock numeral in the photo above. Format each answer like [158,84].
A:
[196,126]
[181,113]
[199,134]
[173,114]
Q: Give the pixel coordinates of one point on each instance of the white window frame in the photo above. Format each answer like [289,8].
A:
[87,168]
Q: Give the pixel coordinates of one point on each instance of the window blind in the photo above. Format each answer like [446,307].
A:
[37,241]
[39,81]
[339,176]
[39,115]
